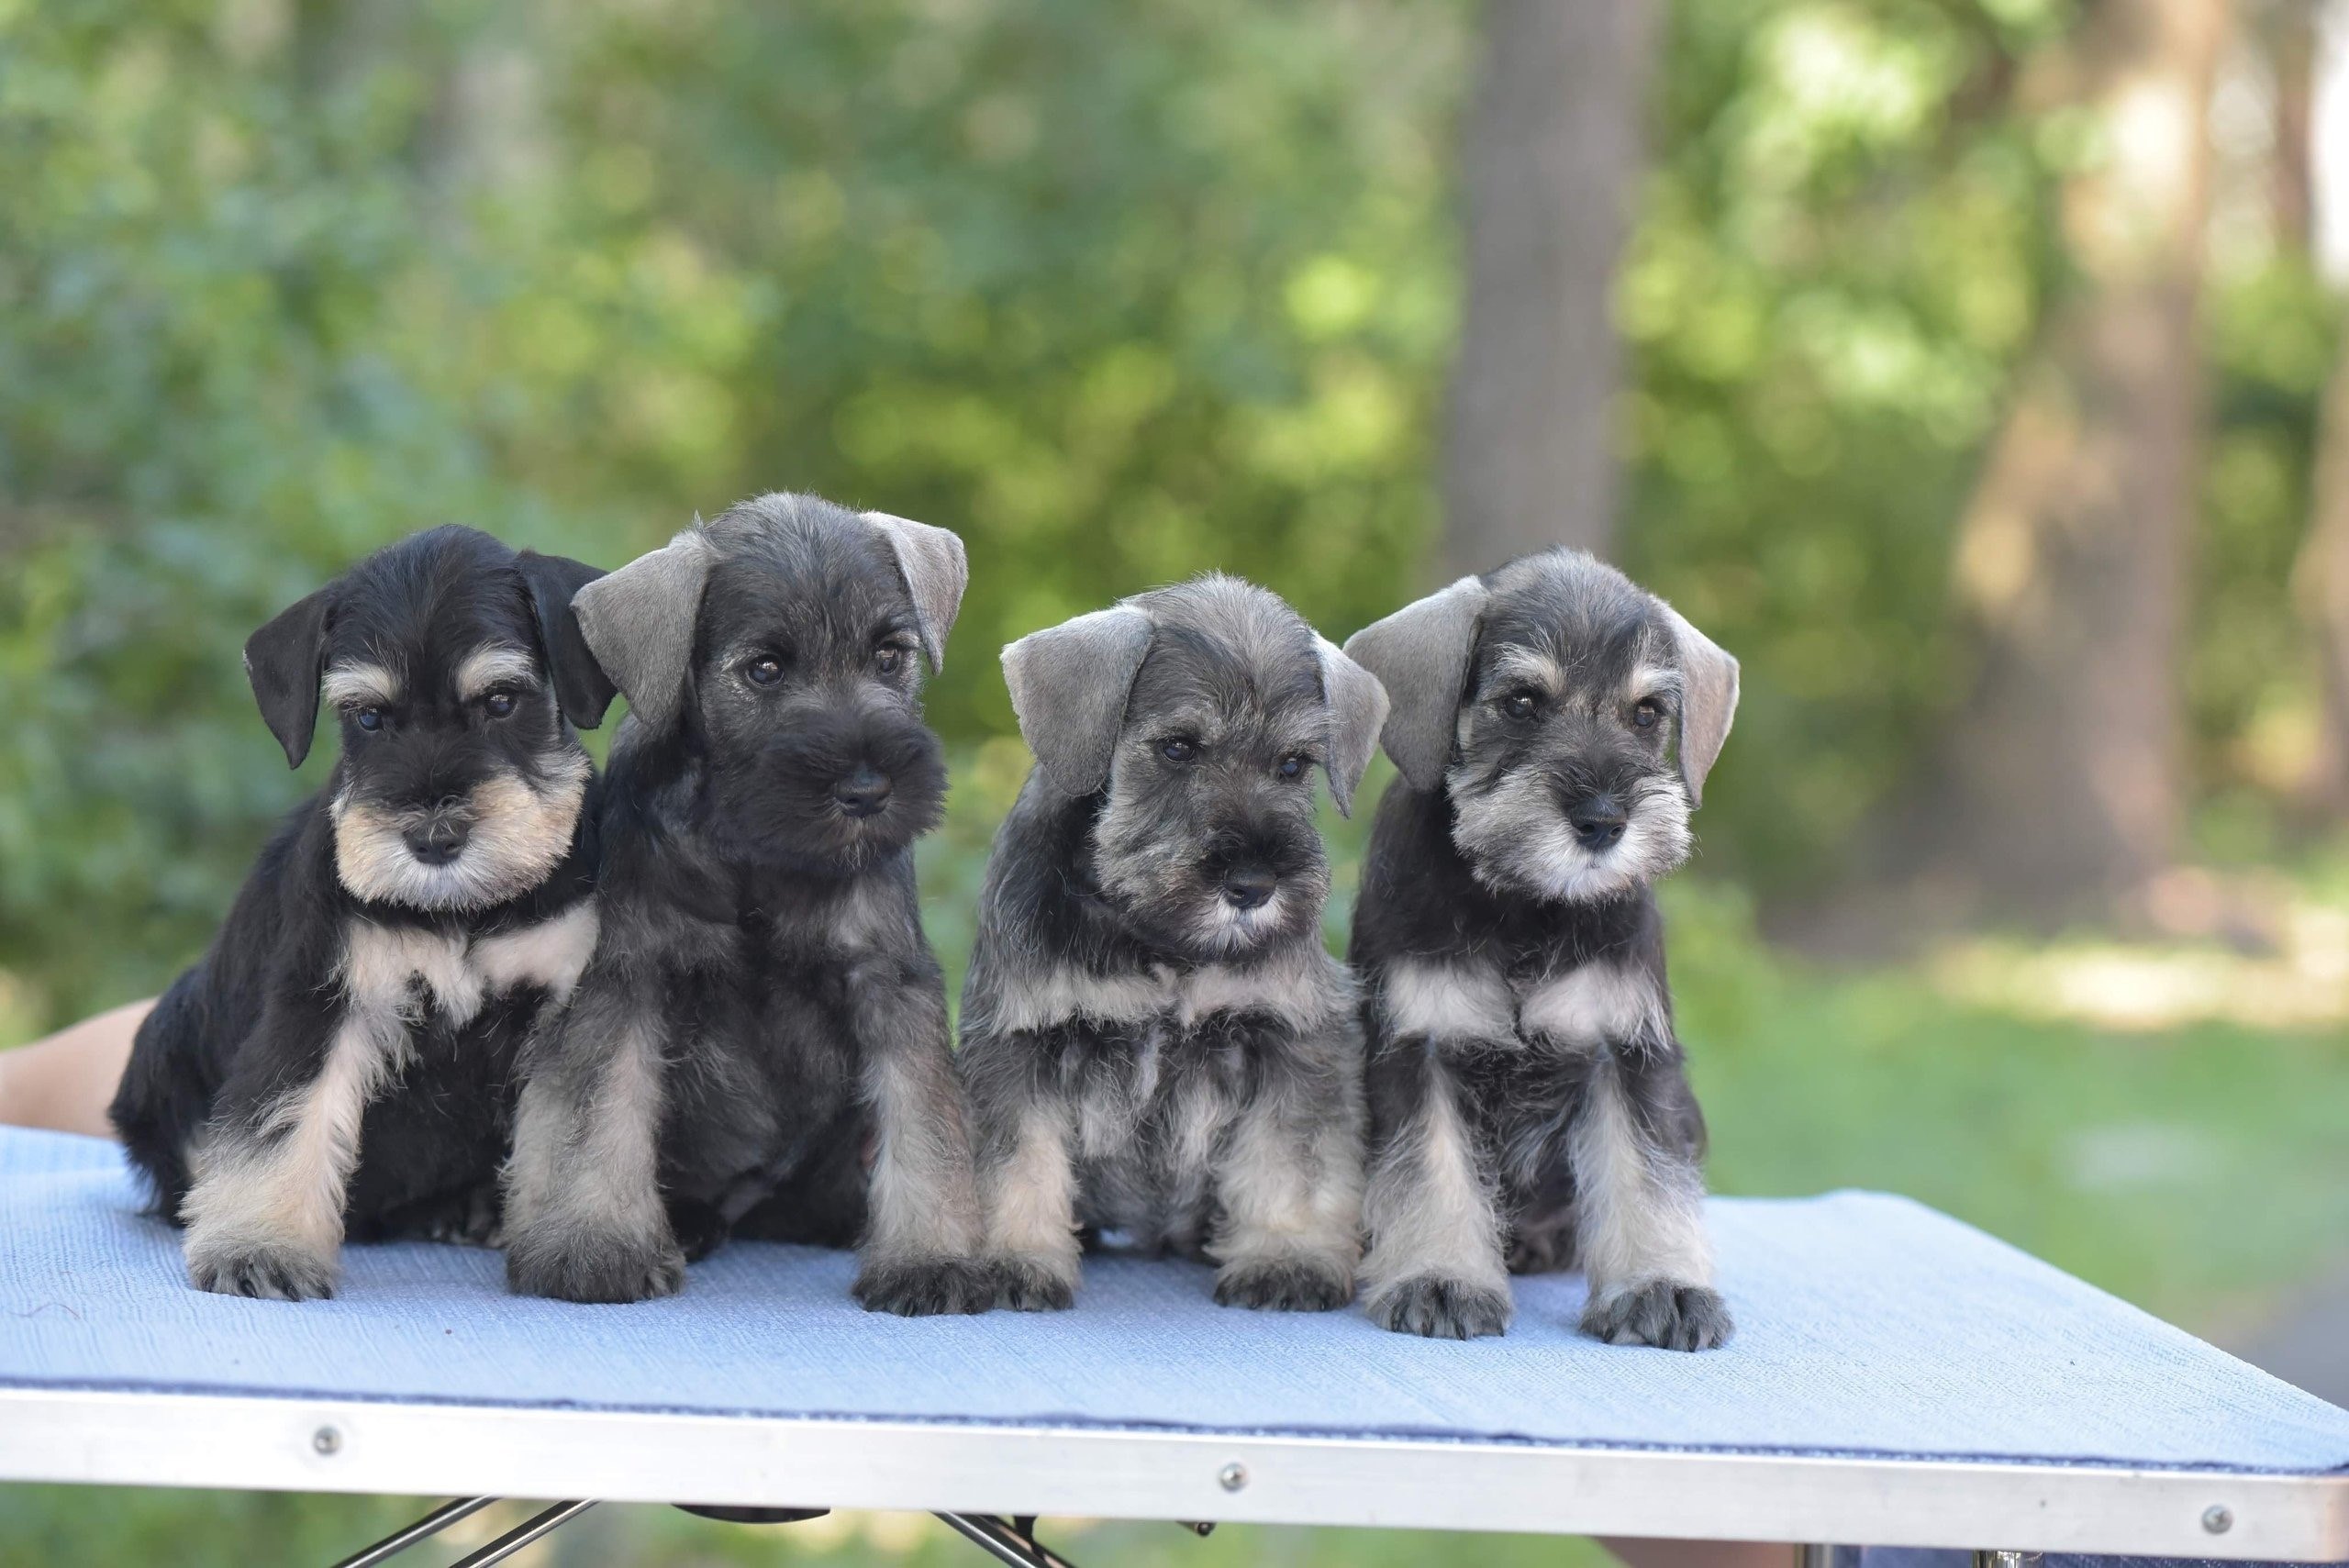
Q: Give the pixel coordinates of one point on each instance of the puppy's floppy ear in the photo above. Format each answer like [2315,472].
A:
[1421,655]
[285,661]
[581,687]
[1357,708]
[936,571]
[1069,685]
[1708,704]
[638,623]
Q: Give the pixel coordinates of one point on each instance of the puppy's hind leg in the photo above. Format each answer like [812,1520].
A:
[583,1215]
[920,1254]
[1638,1207]
[1435,1266]
[1289,1178]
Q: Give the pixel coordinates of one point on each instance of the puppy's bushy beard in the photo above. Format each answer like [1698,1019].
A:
[1516,839]
[771,805]
[521,829]
[1165,876]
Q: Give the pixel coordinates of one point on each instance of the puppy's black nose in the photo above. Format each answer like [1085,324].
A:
[1249,886]
[1597,822]
[863,793]
[437,841]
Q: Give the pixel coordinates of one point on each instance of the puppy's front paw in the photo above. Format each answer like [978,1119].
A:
[598,1269]
[1439,1308]
[1662,1313]
[925,1288]
[265,1272]
[1033,1284]
[1284,1285]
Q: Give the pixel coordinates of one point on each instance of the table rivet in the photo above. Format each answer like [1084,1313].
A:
[327,1440]
[2217,1519]
[1232,1477]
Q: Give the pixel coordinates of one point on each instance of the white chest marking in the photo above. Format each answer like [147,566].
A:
[1303,989]
[1450,1002]
[1593,1004]
[383,964]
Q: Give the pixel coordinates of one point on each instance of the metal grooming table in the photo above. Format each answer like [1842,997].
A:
[1898,1379]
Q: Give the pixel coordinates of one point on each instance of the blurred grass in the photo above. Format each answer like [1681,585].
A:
[204,1529]
[2198,1171]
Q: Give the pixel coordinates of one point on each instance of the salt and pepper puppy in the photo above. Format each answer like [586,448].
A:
[763,1010]
[1553,725]
[1154,1041]
[339,1058]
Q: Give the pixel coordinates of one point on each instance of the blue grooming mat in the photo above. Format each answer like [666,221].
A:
[1867,1326]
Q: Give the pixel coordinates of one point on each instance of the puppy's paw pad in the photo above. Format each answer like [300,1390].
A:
[1662,1313]
[266,1273]
[926,1288]
[599,1273]
[1025,1284]
[1284,1285]
[1438,1309]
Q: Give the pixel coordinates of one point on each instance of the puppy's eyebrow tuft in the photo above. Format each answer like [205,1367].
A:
[1528,666]
[1656,681]
[358,684]
[500,664]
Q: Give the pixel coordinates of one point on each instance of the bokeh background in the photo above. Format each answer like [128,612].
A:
[1973,369]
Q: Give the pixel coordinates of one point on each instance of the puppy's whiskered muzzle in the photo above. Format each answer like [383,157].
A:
[864,793]
[438,838]
[1599,821]
[1250,886]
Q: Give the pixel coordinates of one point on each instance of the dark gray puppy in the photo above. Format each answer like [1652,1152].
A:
[762,1013]
[1553,724]
[1155,1040]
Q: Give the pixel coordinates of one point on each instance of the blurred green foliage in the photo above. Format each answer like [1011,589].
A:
[1120,293]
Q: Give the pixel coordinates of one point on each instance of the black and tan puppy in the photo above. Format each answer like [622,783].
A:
[763,1011]
[1553,725]
[340,1057]
[1155,1041]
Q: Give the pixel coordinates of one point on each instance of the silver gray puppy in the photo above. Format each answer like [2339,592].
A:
[1553,724]
[1155,1042]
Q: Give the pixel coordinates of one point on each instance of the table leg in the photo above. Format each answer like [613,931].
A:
[430,1525]
[1004,1543]
[537,1526]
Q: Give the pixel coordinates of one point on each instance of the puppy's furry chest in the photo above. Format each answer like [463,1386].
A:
[766,1065]
[440,981]
[1153,1073]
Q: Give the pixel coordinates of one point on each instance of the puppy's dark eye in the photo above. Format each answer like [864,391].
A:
[1645,712]
[1179,749]
[370,719]
[889,659]
[1521,705]
[1292,767]
[498,705]
[763,672]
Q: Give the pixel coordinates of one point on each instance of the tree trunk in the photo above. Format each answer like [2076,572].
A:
[1550,163]
[2320,585]
[2062,786]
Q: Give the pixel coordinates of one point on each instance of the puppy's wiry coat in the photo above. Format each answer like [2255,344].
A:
[1155,1040]
[762,1013]
[1527,1104]
[340,1058]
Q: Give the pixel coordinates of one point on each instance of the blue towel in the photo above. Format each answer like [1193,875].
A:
[1866,1326]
